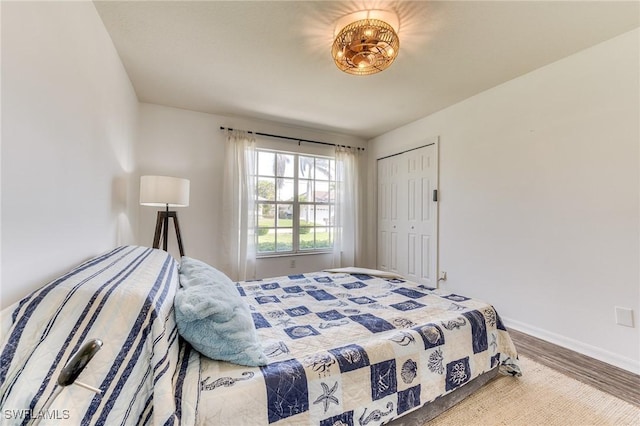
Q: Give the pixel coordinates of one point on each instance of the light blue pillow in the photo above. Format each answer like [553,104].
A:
[212,316]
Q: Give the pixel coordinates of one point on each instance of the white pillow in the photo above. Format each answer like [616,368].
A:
[365,271]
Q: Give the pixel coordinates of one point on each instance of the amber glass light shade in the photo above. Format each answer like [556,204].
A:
[365,47]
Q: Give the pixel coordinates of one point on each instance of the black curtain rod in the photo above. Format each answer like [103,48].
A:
[295,139]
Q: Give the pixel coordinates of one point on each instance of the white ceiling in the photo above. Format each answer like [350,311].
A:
[271,59]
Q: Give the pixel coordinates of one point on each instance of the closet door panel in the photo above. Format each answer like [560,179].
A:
[393,253]
[407,226]
[428,217]
[426,273]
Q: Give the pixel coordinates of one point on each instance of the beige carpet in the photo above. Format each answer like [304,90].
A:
[542,396]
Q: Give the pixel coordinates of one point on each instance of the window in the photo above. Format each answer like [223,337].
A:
[295,201]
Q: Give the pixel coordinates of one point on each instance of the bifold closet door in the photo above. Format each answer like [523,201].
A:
[407,214]
[389,183]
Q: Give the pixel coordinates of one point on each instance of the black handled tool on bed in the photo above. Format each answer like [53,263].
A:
[70,373]
[74,367]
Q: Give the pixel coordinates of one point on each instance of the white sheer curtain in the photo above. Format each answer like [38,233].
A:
[347,240]
[238,206]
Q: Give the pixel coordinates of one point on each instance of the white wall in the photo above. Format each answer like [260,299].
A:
[188,144]
[539,210]
[68,126]
[539,176]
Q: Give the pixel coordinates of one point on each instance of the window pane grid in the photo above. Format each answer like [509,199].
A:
[295,202]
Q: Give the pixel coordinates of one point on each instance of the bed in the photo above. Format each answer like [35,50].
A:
[342,349]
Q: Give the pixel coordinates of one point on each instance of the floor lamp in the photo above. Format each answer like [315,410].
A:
[165,191]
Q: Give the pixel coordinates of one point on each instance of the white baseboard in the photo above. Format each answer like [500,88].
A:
[580,347]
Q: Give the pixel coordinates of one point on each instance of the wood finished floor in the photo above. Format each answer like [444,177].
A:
[608,378]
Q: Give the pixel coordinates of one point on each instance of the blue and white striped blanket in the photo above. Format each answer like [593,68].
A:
[125,298]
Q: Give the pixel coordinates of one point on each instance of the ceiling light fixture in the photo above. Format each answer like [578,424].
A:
[366,45]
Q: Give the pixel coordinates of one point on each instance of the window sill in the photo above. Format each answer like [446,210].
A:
[276,255]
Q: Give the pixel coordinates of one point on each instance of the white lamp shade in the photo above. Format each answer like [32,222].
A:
[163,190]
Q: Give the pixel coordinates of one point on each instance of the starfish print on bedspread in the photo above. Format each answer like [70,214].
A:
[285,322]
[327,396]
